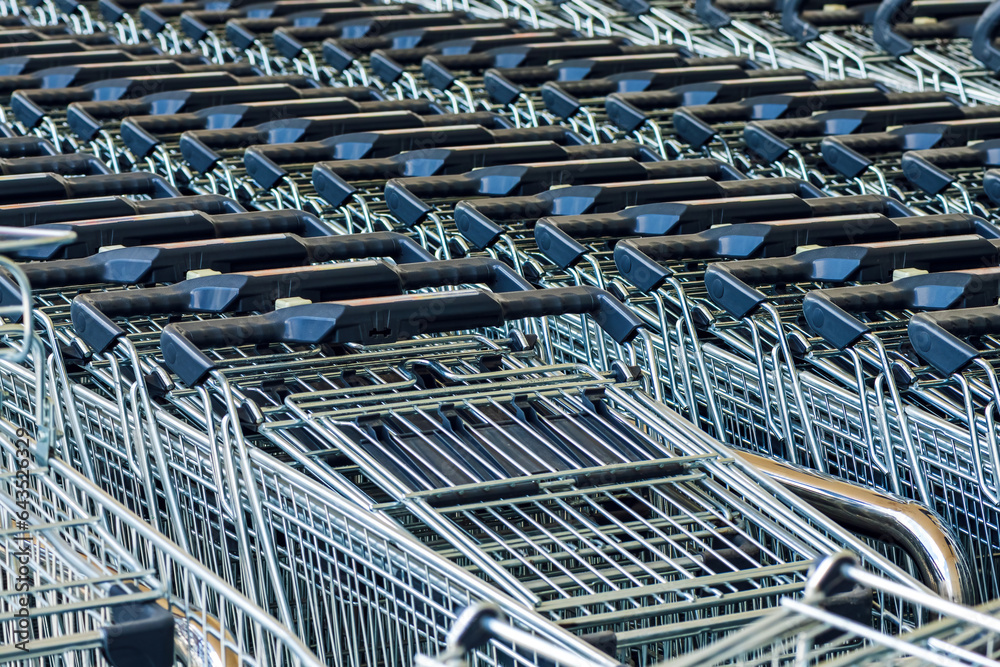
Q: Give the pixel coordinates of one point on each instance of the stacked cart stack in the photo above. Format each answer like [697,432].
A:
[592,332]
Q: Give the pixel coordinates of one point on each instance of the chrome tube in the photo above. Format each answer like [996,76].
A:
[910,525]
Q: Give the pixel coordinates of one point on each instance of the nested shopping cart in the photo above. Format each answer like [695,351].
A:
[107,397]
[944,173]
[85,582]
[577,249]
[820,629]
[597,507]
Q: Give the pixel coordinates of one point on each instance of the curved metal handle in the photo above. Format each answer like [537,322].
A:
[913,527]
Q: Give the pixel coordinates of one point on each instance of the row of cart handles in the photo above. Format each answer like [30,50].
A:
[892,21]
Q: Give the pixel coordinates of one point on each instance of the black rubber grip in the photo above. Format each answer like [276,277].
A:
[86,119]
[197,24]
[156,17]
[639,260]
[406,197]
[291,41]
[938,337]
[29,188]
[385,320]
[834,314]
[849,155]
[170,262]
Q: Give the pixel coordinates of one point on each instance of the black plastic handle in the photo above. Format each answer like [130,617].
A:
[156,17]
[143,133]
[559,238]
[29,64]
[479,221]
[639,260]
[387,319]
[928,169]
[72,164]
[442,70]
[28,188]
[23,147]
[286,144]
[504,85]
[173,226]
[834,314]
[894,27]
[170,262]
[342,53]
[732,285]
[301,140]
[93,314]
[849,155]
[42,213]
[770,139]
[332,180]
[389,64]
[86,119]
[984,36]
[791,222]
[291,41]
[717,14]
[938,337]
[197,24]
[630,110]
[405,197]
[802,20]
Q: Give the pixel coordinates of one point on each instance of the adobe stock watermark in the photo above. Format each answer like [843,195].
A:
[19,551]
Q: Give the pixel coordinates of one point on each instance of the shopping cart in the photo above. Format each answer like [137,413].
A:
[87,582]
[578,250]
[583,527]
[109,408]
[875,161]
[820,629]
